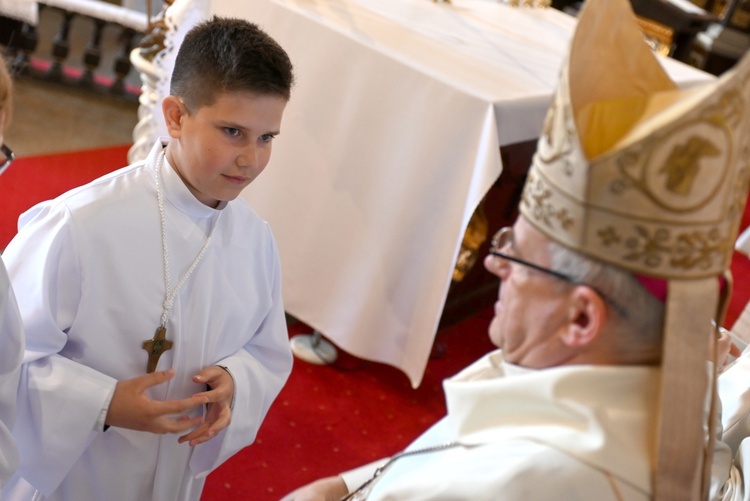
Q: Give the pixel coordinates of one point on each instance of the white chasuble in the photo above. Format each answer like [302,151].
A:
[88,267]
[574,432]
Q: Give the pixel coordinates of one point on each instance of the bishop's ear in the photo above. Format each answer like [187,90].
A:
[587,316]
[174,111]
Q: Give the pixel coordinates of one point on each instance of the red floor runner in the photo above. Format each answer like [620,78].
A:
[325,419]
[33,179]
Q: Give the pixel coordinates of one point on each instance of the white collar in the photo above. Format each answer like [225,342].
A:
[602,415]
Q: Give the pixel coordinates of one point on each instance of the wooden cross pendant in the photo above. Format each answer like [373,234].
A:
[155,347]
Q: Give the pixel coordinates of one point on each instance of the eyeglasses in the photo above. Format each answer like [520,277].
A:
[504,238]
[8,158]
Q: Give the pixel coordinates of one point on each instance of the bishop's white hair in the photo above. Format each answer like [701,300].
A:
[639,326]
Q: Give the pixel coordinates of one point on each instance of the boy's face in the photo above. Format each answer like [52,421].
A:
[220,148]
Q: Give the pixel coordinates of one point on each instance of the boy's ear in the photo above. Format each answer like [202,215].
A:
[587,316]
[174,110]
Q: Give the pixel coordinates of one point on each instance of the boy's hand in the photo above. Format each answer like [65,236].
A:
[131,408]
[219,411]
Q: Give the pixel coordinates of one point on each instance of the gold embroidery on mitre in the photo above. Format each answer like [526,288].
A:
[743,182]
[609,236]
[683,164]
[556,139]
[537,197]
[680,169]
[626,162]
[684,250]
[699,249]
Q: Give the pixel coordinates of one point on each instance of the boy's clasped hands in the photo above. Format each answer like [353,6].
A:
[131,408]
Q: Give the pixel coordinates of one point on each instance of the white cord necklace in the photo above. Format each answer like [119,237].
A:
[159,343]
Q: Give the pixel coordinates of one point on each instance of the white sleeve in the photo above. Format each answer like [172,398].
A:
[260,370]
[734,393]
[44,270]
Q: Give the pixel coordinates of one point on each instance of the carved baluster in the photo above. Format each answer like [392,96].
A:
[92,54]
[27,42]
[122,64]
[60,48]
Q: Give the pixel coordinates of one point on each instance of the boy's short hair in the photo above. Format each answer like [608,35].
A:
[229,55]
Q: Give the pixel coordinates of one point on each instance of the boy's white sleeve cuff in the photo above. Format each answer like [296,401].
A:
[234,385]
[100,423]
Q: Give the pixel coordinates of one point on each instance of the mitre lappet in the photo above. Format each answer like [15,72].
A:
[636,172]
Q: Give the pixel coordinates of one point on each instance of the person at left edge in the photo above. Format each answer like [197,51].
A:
[11,329]
[160,257]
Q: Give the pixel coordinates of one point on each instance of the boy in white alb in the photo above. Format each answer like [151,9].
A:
[157,338]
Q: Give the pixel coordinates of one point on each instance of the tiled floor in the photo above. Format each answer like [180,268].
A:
[51,118]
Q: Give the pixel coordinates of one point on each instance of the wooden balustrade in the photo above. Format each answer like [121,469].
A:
[72,45]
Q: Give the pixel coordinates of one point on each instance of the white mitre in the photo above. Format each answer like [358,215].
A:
[653,179]
[632,170]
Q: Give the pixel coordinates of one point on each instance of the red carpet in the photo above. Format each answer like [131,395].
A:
[326,419]
[34,179]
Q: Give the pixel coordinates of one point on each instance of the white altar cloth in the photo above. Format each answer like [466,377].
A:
[388,144]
